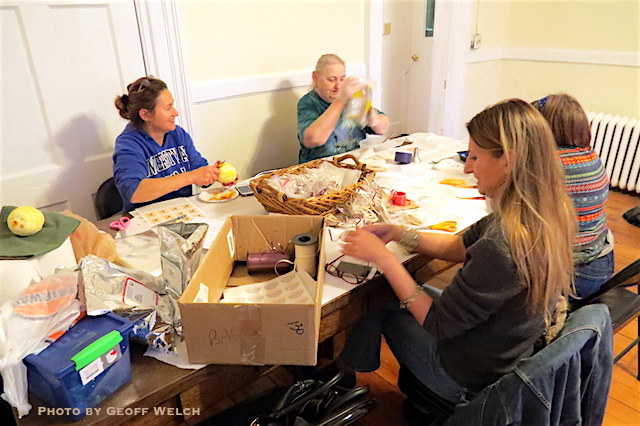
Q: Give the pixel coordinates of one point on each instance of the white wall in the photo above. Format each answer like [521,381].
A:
[589,49]
[249,63]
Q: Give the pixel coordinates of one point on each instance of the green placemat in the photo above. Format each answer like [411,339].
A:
[57,227]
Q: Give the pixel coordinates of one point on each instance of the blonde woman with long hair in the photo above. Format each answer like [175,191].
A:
[321,128]
[517,265]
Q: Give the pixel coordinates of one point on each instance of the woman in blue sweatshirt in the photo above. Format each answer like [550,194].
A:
[154,159]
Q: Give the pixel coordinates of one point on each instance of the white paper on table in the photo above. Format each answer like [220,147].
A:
[178,359]
[163,211]
[215,224]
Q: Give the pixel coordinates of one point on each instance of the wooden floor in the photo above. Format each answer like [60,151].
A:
[623,407]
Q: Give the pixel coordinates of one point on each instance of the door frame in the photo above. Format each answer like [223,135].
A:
[163,52]
[450,54]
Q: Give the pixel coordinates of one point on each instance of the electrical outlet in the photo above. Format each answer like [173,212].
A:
[475,41]
[386,30]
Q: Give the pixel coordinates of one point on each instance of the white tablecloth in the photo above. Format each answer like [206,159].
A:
[418,179]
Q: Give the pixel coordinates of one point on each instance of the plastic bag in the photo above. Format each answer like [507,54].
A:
[314,182]
[357,109]
[366,205]
[40,310]
[181,252]
[135,295]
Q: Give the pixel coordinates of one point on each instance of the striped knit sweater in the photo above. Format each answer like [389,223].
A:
[588,186]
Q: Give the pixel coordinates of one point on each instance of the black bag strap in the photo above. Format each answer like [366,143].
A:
[296,396]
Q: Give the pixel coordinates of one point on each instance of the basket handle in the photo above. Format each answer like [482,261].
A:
[337,160]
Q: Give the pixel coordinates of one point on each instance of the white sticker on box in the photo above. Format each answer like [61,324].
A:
[136,294]
[96,367]
[231,243]
[203,294]
[91,371]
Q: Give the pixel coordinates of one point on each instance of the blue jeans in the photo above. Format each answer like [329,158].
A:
[411,344]
[589,277]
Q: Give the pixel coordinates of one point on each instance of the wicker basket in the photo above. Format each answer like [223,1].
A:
[277,202]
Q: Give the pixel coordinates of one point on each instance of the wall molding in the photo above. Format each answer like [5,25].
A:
[163,53]
[572,56]
[373,44]
[215,90]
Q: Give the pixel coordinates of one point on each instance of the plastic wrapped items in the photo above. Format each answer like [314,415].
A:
[135,295]
[40,310]
[181,252]
[357,109]
[314,182]
[367,205]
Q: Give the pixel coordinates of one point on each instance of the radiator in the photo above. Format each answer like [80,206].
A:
[617,140]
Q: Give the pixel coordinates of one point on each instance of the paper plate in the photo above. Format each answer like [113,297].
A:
[218,195]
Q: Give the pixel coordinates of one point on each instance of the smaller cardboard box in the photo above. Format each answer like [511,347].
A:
[250,333]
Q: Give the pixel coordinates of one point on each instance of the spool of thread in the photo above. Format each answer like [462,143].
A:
[403,157]
[399,198]
[305,247]
[268,261]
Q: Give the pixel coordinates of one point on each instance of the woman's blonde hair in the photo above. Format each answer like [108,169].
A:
[567,119]
[326,59]
[534,211]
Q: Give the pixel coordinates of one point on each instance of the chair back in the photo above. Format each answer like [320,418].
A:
[566,382]
[628,277]
[107,200]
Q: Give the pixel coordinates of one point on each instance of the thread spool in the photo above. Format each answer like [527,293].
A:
[305,248]
[268,261]
[403,157]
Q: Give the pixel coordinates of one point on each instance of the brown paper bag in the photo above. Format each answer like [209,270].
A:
[87,239]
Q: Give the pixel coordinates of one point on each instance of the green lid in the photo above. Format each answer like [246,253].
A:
[96,349]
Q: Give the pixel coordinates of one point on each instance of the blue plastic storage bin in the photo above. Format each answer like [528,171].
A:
[52,374]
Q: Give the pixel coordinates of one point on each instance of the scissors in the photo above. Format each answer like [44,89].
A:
[447,225]
[121,224]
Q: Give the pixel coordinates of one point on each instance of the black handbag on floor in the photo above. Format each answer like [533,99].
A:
[312,402]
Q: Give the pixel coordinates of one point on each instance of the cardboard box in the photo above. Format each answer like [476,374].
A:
[250,334]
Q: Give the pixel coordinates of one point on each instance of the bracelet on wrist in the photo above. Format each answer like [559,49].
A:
[404,304]
[409,239]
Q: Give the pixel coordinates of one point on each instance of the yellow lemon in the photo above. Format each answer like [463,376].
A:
[25,221]
[227,173]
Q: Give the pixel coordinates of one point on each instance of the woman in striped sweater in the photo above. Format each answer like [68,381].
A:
[588,186]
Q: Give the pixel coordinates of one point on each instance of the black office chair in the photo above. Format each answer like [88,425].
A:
[107,200]
[580,359]
[624,305]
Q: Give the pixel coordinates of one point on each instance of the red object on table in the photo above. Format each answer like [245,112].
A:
[399,198]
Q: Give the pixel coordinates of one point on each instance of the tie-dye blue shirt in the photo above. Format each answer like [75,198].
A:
[345,137]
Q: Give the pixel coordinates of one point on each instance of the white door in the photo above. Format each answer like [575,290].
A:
[63,63]
[406,66]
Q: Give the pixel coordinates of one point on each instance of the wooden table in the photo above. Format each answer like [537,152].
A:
[163,394]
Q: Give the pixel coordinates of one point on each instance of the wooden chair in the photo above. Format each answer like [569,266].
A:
[623,304]
[107,200]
